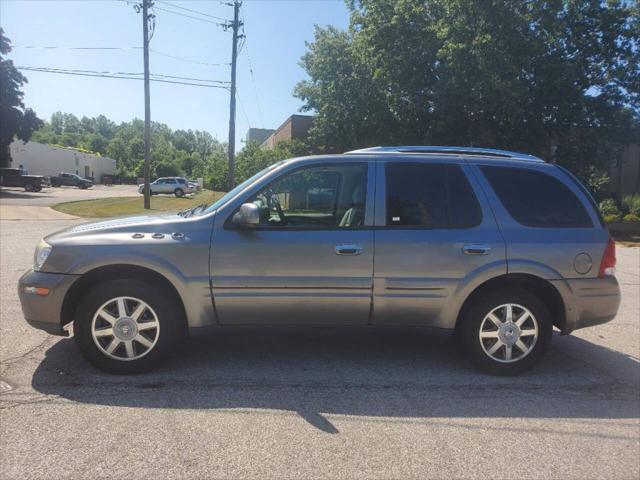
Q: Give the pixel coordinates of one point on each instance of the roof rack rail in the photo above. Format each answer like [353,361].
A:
[435,150]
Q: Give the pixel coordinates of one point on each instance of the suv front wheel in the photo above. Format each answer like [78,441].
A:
[126,326]
[507,332]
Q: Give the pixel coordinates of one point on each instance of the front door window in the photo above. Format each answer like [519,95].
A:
[330,196]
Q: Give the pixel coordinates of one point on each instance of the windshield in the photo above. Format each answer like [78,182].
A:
[229,195]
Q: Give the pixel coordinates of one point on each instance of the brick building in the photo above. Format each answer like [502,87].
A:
[294,127]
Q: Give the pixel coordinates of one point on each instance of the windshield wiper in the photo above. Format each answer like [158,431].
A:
[193,210]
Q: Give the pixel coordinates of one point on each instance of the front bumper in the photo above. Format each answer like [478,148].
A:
[590,301]
[44,312]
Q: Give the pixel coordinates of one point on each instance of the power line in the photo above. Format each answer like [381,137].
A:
[191,16]
[164,54]
[244,112]
[189,78]
[192,11]
[253,79]
[188,60]
[129,74]
[51,47]
[116,75]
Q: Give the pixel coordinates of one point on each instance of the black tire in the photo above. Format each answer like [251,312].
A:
[169,315]
[178,192]
[29,187]
[472,322]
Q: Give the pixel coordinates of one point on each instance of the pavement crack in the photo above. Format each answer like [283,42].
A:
[28,353]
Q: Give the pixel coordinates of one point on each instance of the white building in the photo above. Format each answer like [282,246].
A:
[46,160]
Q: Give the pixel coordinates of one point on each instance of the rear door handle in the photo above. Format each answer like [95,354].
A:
[350,249]
[477,249]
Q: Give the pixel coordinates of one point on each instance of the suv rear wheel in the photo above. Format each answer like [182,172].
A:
[126,326]
[179,192]
[507,332]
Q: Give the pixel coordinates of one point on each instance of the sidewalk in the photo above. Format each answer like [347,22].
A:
[28,212]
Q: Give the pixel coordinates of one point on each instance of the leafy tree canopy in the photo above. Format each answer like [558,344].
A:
[191,153]
[556,78]
[15,119]
[195,154]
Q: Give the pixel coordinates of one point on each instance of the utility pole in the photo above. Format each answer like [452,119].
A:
[147,103]
[232,104]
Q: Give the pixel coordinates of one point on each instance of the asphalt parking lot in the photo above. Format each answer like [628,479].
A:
[326,405]
[53,195]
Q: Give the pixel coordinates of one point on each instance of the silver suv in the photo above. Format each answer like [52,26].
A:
[177,186]
[497,247]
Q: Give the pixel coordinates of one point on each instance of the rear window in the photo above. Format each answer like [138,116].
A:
[430,195]
[536,199]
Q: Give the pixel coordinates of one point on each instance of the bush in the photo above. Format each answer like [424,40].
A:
[609,207]
[596,182]
[612,217]
[631,217]
[632,203]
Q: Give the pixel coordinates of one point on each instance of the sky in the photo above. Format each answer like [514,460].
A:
[276,32]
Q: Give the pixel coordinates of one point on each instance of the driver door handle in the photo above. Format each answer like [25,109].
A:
[350,249]
[477,249]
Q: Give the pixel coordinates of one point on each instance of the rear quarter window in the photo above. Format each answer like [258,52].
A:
[537,199]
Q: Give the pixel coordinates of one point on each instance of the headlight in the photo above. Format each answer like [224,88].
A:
[42,253]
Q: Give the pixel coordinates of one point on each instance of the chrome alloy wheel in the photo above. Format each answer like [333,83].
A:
[125,328]
[508,333]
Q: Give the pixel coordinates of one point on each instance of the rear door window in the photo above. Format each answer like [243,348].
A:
[429,195]
[536,199]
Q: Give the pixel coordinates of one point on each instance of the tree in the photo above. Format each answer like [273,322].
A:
[15,119]
[184,140]
[204,143]
[194,154]
[560,78]
[252,158]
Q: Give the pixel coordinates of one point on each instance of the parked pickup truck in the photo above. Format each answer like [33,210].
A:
[70,180]
[13,177]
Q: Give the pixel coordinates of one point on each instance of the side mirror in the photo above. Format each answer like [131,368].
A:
[247,216]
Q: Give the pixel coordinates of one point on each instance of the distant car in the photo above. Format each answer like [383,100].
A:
[196,186]
[13,177]
[176,185]
[70,180]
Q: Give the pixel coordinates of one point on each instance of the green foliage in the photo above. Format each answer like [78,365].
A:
[612,217]
[631,217]
[15,119]
[189,153]
[252,158]
[632,203]
[594,179]
[609,207]
[558,79]
[167,169]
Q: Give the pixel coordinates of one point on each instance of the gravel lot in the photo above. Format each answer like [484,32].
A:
[330,405]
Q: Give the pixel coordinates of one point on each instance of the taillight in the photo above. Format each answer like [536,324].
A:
[608,263]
